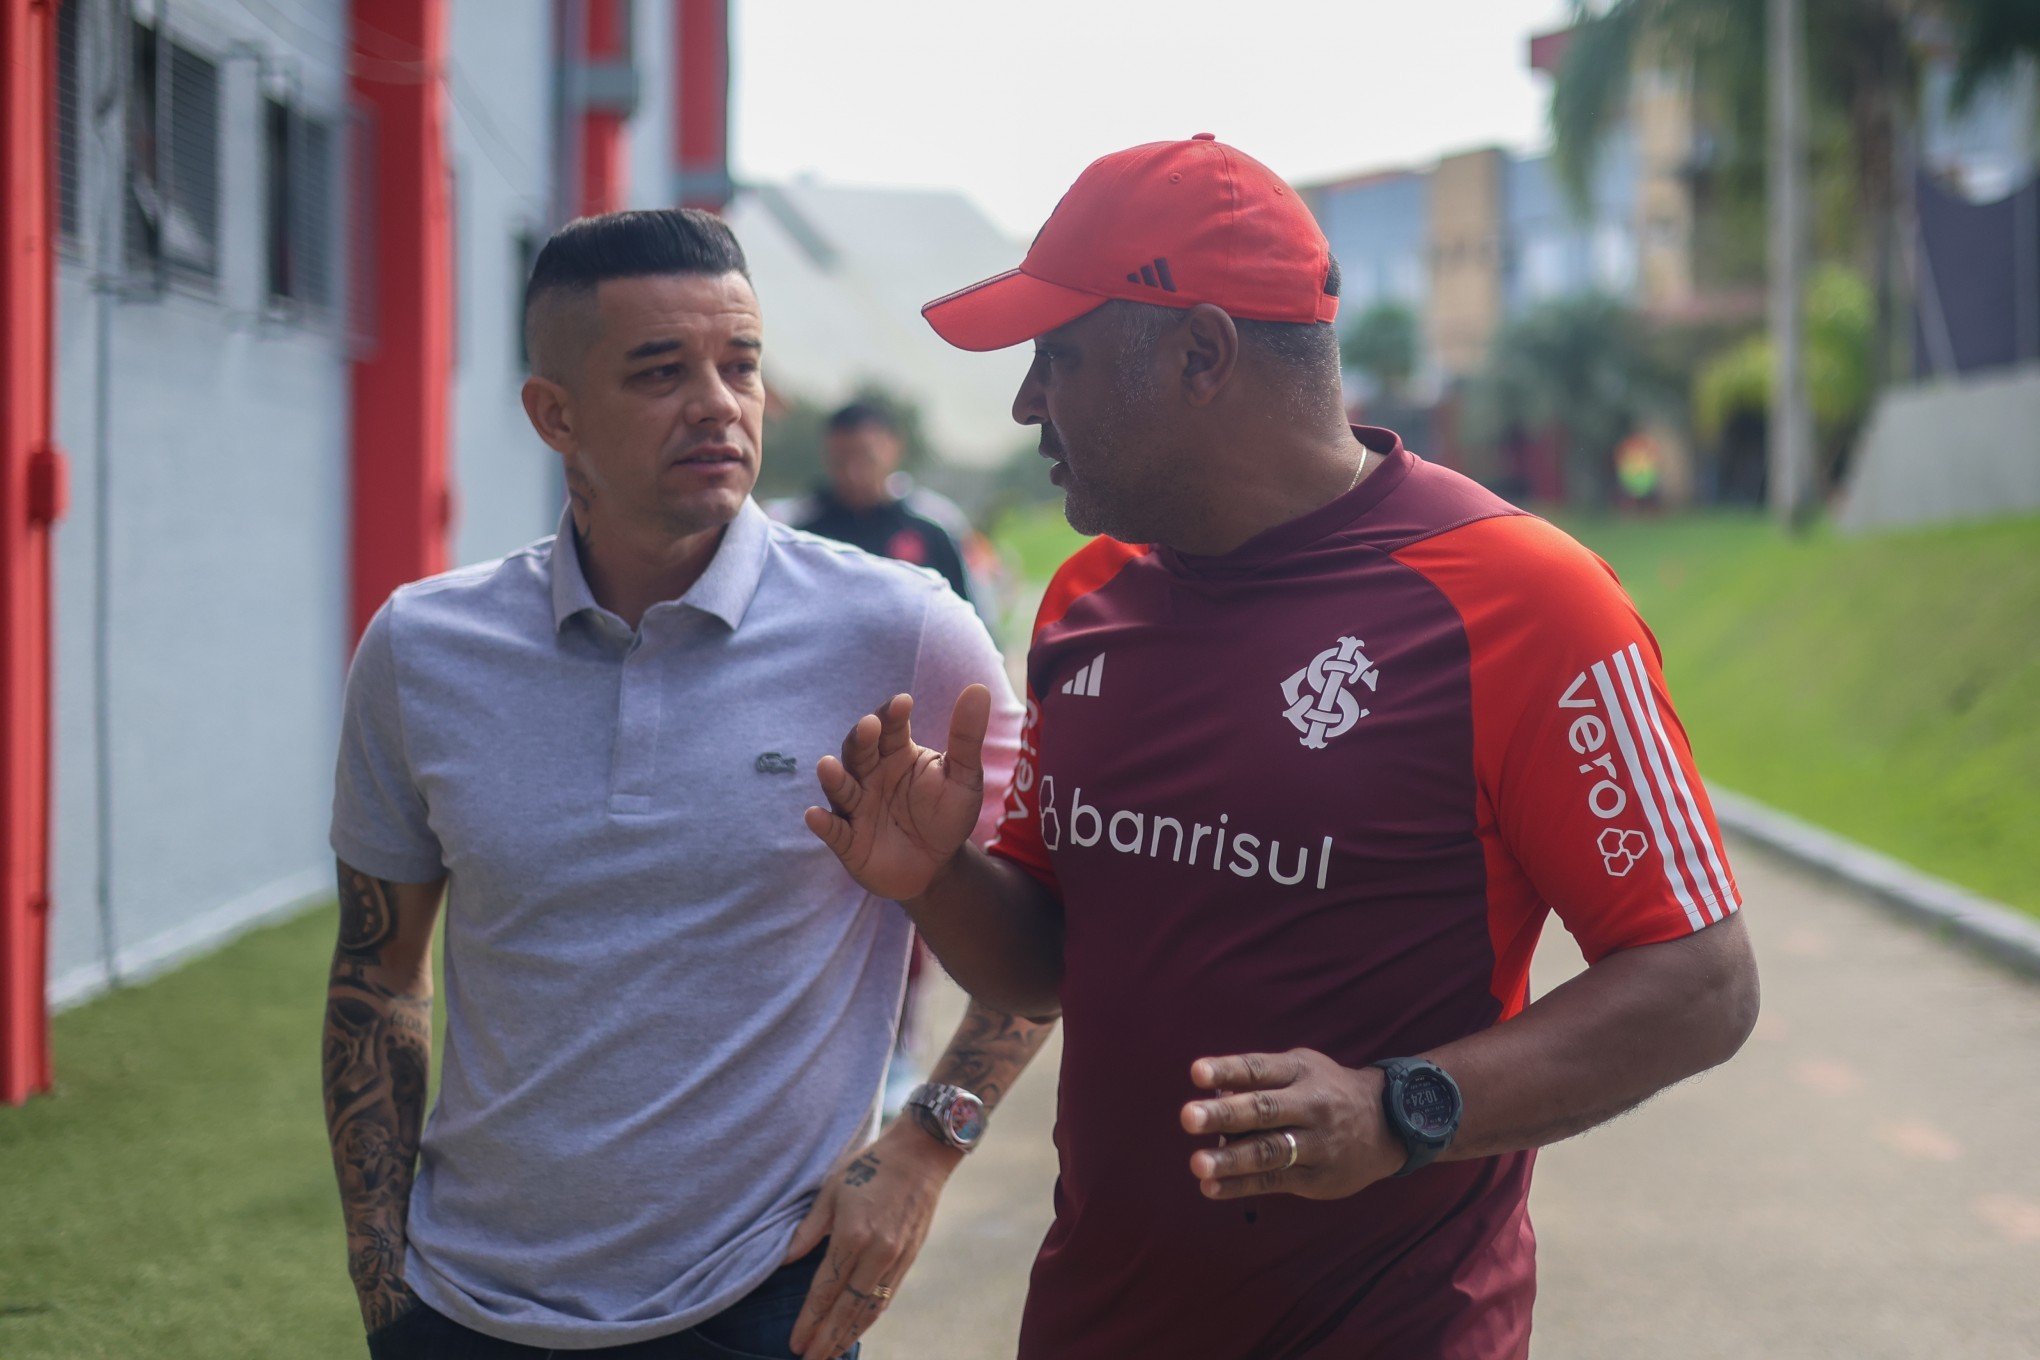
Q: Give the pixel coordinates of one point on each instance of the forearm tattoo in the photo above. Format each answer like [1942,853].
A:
[377,1056]
[990,1050]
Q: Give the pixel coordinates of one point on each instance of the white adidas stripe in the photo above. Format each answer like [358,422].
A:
[1658,755]
[1722,882]
[1640,781]
[1088,678]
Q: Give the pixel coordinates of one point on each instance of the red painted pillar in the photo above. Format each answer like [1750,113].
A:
[701,138]
[31,500]
[402,386]
[605,172]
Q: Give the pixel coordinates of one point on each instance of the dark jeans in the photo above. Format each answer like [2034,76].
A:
[758,1326]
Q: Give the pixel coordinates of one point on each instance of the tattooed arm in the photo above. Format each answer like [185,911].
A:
[988,1051]
[377,1054]
[876,1207]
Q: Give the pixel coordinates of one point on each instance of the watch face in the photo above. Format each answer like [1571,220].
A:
[1429,1103]
[965,1118]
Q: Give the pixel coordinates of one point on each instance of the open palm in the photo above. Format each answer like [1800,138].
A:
[897,811]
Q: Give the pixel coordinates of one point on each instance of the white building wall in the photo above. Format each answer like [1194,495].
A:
[210,436]
[651,128]
[507,488]
[211,445]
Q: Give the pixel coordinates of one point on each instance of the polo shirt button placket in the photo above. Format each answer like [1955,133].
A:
[639,693]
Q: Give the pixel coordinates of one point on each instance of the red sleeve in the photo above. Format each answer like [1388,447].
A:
[1019,834]
[1587,784]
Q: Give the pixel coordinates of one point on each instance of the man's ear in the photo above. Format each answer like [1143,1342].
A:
[1211,349]
[551,413]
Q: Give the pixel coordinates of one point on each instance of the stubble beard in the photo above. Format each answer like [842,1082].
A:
[1123,511]
[596,511]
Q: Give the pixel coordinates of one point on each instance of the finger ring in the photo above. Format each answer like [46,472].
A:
[881,1292]
[1291,1139]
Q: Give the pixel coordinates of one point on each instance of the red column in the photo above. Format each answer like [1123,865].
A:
[605,175]
[31,499]
[402,386]
[701,137]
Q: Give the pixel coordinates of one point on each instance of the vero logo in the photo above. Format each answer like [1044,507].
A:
[1087,679]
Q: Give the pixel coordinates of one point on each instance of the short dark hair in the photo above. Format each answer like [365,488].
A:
[622,245]
[1304,345]
[1309,348]
[860,415]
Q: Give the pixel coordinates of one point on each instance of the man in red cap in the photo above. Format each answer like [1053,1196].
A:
[1299,785]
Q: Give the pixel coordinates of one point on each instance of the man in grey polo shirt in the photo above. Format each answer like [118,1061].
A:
[668,1010]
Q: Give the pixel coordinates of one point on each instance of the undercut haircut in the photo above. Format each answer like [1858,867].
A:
[588,251]
[864,415]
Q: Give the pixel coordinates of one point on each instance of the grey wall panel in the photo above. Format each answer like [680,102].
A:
[1959,448]
[651,129]
[228,526]
[75,945]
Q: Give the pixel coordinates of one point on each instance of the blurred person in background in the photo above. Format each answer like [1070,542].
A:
[668,1014]
[868,501]
[1317,738]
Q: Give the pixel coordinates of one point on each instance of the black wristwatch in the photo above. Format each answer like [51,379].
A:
[1423,1107]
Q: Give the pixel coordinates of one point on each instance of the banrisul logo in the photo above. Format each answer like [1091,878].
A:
[1217,846]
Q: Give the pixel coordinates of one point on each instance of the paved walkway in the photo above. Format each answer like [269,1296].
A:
[1863,1181]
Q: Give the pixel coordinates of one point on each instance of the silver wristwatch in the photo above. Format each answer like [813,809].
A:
[949,1113]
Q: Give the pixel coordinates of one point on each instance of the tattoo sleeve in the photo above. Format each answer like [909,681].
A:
[989,1051]
[377,1054]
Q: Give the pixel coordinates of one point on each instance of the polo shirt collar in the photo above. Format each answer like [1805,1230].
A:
[725,590]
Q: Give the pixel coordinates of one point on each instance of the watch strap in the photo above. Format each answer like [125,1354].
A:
[1421,1148]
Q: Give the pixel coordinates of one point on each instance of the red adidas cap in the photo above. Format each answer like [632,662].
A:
[1172,223]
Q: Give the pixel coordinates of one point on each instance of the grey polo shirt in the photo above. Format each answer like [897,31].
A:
[668,1008]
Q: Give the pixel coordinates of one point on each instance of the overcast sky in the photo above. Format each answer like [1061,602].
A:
[1009,100]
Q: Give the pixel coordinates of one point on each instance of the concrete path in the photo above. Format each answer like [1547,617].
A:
[1862,1182]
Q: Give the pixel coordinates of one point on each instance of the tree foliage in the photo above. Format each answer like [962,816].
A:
[1582,364]
[1382,343]
[1864,64]
[1840,384]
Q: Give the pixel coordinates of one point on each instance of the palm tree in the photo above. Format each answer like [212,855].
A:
[1382,343]
[1865,64]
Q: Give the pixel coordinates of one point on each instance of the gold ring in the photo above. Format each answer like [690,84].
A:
[881,1292]
[1291,1137]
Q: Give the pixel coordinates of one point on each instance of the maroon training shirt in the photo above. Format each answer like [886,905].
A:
[1320,792]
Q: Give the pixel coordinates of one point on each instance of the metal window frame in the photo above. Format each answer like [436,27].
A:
[329,311]
[149,274]
[73,204]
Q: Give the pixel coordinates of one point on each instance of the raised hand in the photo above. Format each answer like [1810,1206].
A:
[897,811]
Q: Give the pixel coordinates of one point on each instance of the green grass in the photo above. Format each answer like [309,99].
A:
[1038,539]
[174,1197]
[1885,687]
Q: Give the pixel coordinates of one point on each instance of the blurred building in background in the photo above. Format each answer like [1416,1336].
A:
[1486,238]
[290,242]
[842,272]
[1487,233]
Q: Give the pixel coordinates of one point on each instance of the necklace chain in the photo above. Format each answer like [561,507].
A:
[1359,469]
